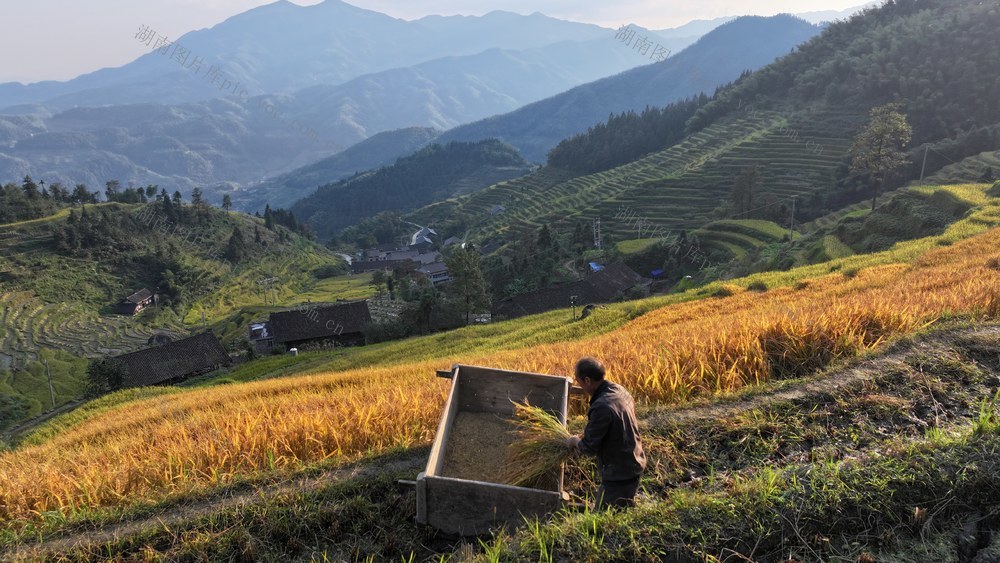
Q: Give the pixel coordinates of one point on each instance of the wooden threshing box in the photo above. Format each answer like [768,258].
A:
[458,493]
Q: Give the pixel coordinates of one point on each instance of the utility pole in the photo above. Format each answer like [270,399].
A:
[52,391]
[791,227]
[597,233]
[267,285]
[923,168]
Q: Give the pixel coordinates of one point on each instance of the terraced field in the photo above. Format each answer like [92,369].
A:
[790,166]
[969,169]
[828,221]
[740,236]
[677,188]
[29,324]
[549,196]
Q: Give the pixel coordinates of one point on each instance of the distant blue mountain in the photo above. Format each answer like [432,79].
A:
[747,43]
[283,48]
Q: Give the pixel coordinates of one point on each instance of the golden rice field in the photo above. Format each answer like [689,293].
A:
[189,440]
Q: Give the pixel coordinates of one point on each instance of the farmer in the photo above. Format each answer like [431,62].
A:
[612,434]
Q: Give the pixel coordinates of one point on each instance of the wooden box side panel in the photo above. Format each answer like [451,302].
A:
[436,458]
[493,390]
[470,508]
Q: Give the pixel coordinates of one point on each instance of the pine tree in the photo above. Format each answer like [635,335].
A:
[111,190]
[468,285]
[236,249]
[30,188]
[227,202]
[268,218]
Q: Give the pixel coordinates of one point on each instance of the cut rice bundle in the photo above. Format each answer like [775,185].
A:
[539,448]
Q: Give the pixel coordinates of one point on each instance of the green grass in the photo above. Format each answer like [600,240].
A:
[635,245]
[834,248]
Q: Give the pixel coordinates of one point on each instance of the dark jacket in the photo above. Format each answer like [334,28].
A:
[612,434]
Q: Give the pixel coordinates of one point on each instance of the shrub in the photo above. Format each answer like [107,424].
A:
[722,292]
[329,271]
[757,286]
[13,408]
[104,376]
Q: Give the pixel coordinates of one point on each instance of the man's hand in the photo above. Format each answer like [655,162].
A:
[573,442]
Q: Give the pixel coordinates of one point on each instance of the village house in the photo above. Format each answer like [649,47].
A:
[321,326]
[425,233]
[173,362]
[261,338]
[437,272]
[135,303]
[360,267]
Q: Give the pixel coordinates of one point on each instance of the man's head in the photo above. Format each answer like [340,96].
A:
[589,374]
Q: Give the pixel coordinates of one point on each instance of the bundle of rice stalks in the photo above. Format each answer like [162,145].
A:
[539,448]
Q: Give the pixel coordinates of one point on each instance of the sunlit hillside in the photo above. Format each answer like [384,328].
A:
[787,325]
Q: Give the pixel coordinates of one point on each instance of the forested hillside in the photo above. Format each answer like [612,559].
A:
[625,137]
[939,58]
[435,172]
[791,123]
[375,152]
[62,275]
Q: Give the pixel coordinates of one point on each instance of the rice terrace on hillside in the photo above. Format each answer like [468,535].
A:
[694,289]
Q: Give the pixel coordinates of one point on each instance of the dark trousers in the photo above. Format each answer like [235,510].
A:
[617,494]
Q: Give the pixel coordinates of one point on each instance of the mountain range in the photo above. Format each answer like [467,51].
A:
[302,83]
[717,58]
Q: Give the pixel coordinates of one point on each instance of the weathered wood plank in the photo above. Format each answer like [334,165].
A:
[469,508]
[436,458]
[421,498]
[494,390]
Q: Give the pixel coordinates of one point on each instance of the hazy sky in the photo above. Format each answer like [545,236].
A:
[60,39]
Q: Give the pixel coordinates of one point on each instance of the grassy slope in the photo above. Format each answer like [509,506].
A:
[676,188]
[552,327]
[356,386]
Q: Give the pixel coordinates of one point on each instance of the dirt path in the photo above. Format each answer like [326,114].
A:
[827,383]
[182,514]
[25,427]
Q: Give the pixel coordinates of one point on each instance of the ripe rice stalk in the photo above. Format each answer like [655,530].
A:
[540,446]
